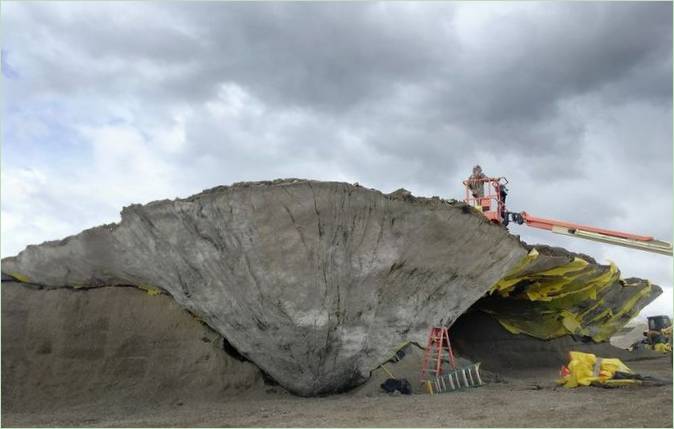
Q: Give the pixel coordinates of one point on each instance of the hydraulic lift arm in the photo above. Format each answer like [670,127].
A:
[488,195]
[618,238]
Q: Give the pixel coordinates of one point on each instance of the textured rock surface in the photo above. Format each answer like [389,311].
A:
[114,346]
[315,282]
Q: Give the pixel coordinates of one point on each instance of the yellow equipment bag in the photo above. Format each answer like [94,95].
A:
[585,369]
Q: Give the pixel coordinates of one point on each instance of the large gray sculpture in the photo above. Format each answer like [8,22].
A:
[315,282]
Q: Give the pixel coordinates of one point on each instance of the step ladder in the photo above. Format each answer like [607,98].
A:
[437,379]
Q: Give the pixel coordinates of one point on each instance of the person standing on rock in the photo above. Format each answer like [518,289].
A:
[475,182]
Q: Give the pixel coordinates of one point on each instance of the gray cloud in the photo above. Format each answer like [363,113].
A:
[124,102]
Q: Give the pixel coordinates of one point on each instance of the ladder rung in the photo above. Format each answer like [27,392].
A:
[439,350]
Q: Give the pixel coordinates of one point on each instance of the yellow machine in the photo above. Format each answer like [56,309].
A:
[658,337]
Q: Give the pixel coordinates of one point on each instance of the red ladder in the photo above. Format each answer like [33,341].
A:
[438,344]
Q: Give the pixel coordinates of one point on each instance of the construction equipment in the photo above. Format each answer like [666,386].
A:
[658,337]
[659,323]
[492,205]
[492,201]
[434,377]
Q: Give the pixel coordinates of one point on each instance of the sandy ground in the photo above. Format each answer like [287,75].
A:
[531,400]
[118,357]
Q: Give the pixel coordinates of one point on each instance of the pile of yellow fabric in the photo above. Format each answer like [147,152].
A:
[585,369]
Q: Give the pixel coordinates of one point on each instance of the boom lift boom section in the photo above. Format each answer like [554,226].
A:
[490,200]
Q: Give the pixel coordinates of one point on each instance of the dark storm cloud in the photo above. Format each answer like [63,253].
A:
[335,57]
[323,56]
[319,55]
[348,60]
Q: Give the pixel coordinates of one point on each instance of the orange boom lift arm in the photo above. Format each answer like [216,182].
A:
[490,200]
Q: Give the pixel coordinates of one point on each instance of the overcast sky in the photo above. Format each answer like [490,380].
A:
[108,104]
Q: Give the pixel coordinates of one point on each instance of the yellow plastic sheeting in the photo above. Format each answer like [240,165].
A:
[504,285]
[662,348]
[149,289]
[549,296]
[537,324]
[585,369]
[20,277]
[571,277]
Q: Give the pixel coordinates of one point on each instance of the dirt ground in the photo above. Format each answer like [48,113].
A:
[119,357]
[531,400]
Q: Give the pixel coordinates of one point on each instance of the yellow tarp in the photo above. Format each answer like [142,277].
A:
[662,348]
[585,369]
[547,296]
[20,277]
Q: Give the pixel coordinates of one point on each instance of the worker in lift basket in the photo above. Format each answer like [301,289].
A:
[475,184]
